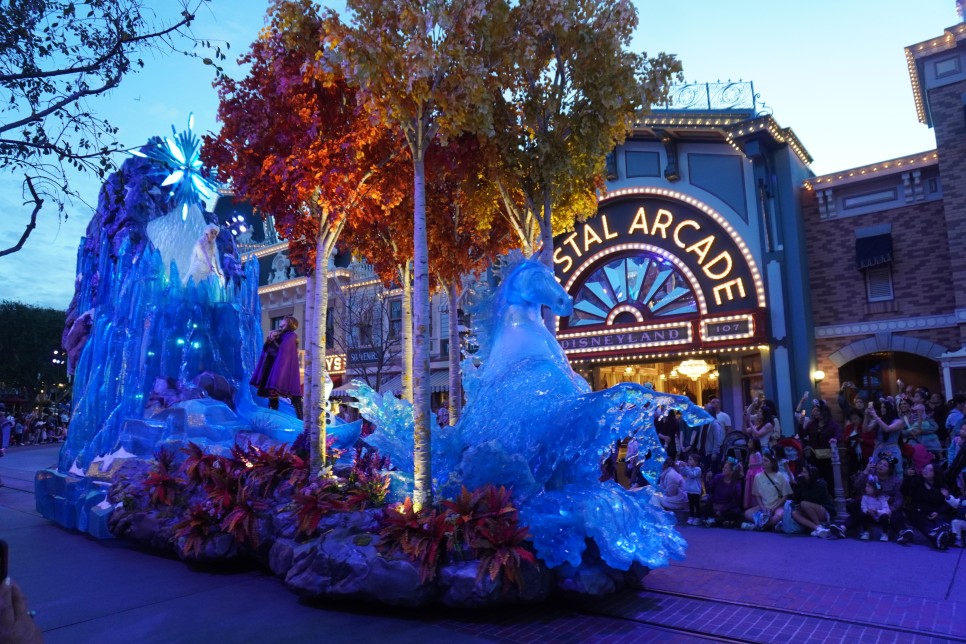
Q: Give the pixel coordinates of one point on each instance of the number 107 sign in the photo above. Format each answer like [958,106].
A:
[730,328]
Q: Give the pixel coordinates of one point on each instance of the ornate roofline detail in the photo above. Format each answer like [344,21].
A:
[881,168]
[951,36]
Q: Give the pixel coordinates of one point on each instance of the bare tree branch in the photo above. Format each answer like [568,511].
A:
[38,203]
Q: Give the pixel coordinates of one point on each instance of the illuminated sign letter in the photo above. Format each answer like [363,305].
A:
[723,255]
[690,223]
[590,237]
[726,287]
[663,219]
[607,233]
[701,248]
[570,240]
[557,259]
[640,222]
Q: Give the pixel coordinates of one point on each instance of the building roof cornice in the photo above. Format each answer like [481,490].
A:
[731,126]
[865,172]
[914,53]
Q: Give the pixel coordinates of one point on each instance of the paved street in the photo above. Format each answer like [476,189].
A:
[733,586]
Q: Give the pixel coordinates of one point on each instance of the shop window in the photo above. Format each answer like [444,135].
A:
[957,377]
[752,379]
[878,283]
[947,67]
[329,328]
[395,319]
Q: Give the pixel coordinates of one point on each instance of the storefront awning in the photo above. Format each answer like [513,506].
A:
[873,250]
[438,382]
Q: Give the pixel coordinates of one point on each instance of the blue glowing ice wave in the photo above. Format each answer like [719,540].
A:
[531,423]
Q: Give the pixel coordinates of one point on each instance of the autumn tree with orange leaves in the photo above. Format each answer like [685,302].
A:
[465,231]
[297,144]
[420,65]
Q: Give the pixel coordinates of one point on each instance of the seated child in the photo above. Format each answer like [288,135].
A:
[959,523]
[692,485]
[875,511]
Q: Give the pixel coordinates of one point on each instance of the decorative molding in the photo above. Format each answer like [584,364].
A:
[298,281]
[882,168]
[914,53]
[886,342]
[826,204]
[891,325]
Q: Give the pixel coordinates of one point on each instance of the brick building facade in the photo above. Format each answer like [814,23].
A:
[888,277]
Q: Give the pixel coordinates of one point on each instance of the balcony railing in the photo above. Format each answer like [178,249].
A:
[714,97]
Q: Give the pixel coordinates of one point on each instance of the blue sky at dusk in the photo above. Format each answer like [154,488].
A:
[833,71]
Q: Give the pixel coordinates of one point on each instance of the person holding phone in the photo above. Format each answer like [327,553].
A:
[17,624]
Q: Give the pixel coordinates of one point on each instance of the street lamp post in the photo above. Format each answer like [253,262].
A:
[839,493]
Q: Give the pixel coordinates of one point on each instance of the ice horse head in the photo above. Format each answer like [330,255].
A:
[534,425]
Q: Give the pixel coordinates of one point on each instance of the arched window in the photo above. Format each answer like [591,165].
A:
[631,289]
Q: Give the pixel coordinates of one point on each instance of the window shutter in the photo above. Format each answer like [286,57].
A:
[878,281]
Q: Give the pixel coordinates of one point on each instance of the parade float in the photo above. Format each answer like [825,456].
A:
[169,447]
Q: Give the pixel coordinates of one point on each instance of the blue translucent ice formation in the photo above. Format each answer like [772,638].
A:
[154,346]
[531,423]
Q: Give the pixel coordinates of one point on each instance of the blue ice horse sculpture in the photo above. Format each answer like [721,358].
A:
[533,425]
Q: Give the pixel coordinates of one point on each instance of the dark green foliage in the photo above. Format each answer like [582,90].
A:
[30,336]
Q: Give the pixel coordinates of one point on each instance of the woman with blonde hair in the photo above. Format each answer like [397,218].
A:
[204,258]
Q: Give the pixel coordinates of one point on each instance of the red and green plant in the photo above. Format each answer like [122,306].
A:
[366,485]
[420,535]
[500,545]
[316,500]
[270,468]
[162,482]
[482,524]
[241,519]
[198,465]
[197,526]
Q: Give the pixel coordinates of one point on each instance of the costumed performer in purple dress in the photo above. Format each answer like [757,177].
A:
[277,371]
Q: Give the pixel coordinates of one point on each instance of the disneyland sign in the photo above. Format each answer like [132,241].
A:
[658,335]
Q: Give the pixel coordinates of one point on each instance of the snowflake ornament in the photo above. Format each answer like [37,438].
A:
[181,156]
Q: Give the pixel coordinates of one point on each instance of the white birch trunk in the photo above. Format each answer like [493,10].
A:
[320,296]
[314,406]
[422,439]
[407,331]
[308,361]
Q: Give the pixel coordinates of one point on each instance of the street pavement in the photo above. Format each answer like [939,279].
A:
[733,586]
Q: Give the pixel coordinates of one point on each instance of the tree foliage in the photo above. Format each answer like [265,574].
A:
[420,66]
[55,56]
[569,89]
[30,336]
[298,145]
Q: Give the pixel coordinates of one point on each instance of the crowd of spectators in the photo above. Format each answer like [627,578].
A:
[33,428]
[902,464]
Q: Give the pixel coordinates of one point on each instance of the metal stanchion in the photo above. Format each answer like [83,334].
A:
[840,512]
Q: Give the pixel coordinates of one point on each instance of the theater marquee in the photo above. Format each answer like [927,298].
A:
[657,270]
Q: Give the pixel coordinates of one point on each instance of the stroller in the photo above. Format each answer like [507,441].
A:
[735,444]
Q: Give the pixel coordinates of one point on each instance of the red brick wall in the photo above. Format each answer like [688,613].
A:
[949,124]
[920,270]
